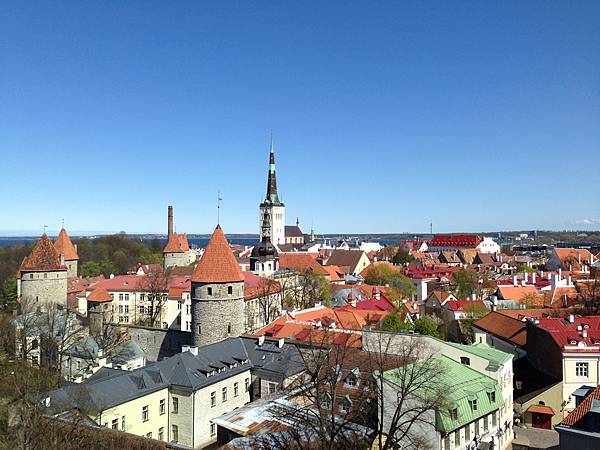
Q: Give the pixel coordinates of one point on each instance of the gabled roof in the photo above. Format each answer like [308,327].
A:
[575,254]
[99,295]
[293,231]
[454,240]
[345,258]
[217,265]
[516,292]
[582,409]
[504,327]
[464,305]
[300,261]
[178,243]
[64,246]
[581,336]
[333,272]
[43,257]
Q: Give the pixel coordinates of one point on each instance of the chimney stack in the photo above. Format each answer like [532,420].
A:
[571,318]
[170,222]
[533,278]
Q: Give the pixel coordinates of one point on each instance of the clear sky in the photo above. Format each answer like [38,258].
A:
[477,115]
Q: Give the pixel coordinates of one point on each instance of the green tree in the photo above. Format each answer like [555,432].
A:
[524,268]
[402,256]
[90,269]
[384,275]
[9,293]
[465,282]
[425,325]
[394,323]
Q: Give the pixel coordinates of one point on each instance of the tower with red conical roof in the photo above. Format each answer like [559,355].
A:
[67,251]
[217,293]
[43,276]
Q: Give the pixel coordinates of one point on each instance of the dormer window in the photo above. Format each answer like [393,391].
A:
[465,360]
[573,342]
[492,397]
[351,380]
[326,401]
[346,405]
[454,414]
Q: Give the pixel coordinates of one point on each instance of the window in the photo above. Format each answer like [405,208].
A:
[31,276]
[126,296]
[230,290]
[345,405]
[123,423]
[272,388]
[229,328]
[447,442]
[198,328]
[175,405]
[142,296]
[188,309]
[213,429]
[326,401]
[127,309]
[161,434]
[235,389]
[141,309]
[247,384]
[351,380]
[188,326]
[120,308]
[485,424]
[174,433]
[468,433]
[465,360]
[161,406]
[115,424]
[145,414]
[213,399]
[473,404]
[209,291]
[179,305]
[224,394]
[494,420]
[492,397]
[454,414]
[477,427]
[120,296]
[457,438]
[581,369]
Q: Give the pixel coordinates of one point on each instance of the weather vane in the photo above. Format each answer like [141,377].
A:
[45,228]
[219,200]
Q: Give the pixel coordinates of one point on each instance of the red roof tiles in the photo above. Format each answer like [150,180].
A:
[504,327]
[583,335]
[64,246]
[178,243]
[454,240]
[217,265]
[43,257]
[99,295]
[582,409]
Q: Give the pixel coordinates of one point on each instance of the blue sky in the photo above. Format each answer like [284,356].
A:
[477,115]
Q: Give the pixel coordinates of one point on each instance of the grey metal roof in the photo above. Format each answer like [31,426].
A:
[272,360]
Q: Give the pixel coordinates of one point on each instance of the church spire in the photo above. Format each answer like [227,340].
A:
[272,196]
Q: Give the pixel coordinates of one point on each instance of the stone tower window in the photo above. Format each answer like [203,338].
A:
[45,275]
[229,326]
[209,291]
[198,328]
[230,290]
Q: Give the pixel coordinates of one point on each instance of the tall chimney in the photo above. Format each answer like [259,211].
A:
[170,222]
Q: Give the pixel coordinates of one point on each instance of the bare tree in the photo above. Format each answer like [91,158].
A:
[387,392]
[269,300]
[155,286]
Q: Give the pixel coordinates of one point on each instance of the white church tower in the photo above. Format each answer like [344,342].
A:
[272,206]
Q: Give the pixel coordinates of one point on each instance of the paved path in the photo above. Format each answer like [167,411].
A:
[535,438]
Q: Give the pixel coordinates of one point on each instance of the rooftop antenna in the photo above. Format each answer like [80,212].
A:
[430,226]
[219,200]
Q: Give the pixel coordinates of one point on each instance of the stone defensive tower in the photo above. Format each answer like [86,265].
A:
[217,294]
[67,251]
[43,276]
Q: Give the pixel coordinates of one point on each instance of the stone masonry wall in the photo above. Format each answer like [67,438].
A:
[212,314]
[44,287]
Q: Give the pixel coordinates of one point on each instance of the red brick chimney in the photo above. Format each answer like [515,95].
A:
[170,222]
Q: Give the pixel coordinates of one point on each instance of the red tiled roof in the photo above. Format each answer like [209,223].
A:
[99,295]
[541,409]
[460,305]
[582,409]
[131,283]
[300,261]
[505,327]
[43,257]
[63,245]
[333,272]
[516,293]
[454,240]
[255,286]
[567,334]
[217,265]
[178,243]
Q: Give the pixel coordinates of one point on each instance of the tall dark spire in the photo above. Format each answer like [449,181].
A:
[272,196]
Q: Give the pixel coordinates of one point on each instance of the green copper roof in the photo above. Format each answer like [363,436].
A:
[467,385]
[494,356]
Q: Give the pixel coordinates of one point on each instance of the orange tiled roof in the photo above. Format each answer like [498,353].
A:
[333,272]
[178,243]
[516,292]
[217,265]
[505,327]
[573,253]
[582,409]
[300,261]
[64,246]
[43,257]
[99,295]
